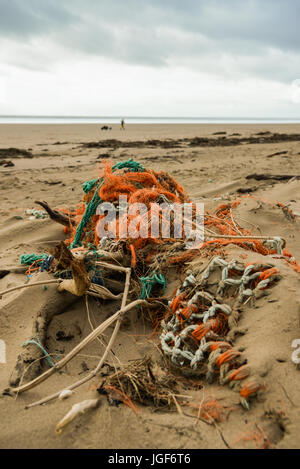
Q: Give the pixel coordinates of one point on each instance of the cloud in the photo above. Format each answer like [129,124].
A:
[20,19]
[252,33]
[93,87]
[177,52]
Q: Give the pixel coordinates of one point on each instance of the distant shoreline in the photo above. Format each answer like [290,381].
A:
[144,120]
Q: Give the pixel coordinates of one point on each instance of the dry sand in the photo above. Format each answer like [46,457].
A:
[55,174]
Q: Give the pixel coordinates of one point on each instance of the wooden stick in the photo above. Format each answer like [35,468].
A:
[107,350]
[110,256]
[113,267]
[89,317]
[57,216]
[243,237]
[45,282]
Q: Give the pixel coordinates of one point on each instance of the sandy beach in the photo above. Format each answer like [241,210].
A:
[213,163]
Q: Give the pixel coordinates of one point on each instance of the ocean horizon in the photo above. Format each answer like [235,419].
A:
[144,120]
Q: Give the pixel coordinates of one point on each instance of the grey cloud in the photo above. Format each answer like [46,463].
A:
[157,33]
[272,23]
[29,18]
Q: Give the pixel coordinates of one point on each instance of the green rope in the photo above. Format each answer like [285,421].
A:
[133,166]
[91,257]
[29,259]
[92,248]
[88,186]
[149,282]
[91,207]
[90,211]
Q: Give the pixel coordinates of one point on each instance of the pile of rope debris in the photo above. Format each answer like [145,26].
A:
[198,321]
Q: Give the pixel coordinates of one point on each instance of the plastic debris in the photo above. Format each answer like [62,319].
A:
[76,410]
[65,394]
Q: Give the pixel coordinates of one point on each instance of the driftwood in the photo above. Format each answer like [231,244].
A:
[57,216]
[275,177]
[80,282]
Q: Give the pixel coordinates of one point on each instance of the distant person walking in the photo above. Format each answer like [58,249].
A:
[122,124]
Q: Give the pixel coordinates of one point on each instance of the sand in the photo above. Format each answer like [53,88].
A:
[55,174]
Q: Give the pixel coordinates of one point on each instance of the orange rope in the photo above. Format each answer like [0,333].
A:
[133,261]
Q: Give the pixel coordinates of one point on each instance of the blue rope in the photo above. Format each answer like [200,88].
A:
[46,264]
[37,342]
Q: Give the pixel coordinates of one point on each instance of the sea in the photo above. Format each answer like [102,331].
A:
[143,120]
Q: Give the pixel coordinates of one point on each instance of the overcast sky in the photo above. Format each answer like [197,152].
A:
[150,57]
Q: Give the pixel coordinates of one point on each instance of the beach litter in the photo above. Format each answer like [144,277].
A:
[65,394]
[6,163]
[76,410]
[35,214]
[197,323]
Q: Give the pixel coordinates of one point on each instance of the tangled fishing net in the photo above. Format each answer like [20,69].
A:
[198,322]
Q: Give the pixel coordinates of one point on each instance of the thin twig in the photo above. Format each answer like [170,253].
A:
[103,341]
[244,237]
[249,222]
[112,267]
[89,318]
[179,409]
[45,282]
[234,224]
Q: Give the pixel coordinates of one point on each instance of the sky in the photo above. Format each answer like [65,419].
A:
[192,58]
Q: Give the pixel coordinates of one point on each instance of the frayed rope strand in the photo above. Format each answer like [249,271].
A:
[149,282]
[38,344]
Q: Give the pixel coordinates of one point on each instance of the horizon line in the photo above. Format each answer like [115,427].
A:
[143,117]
